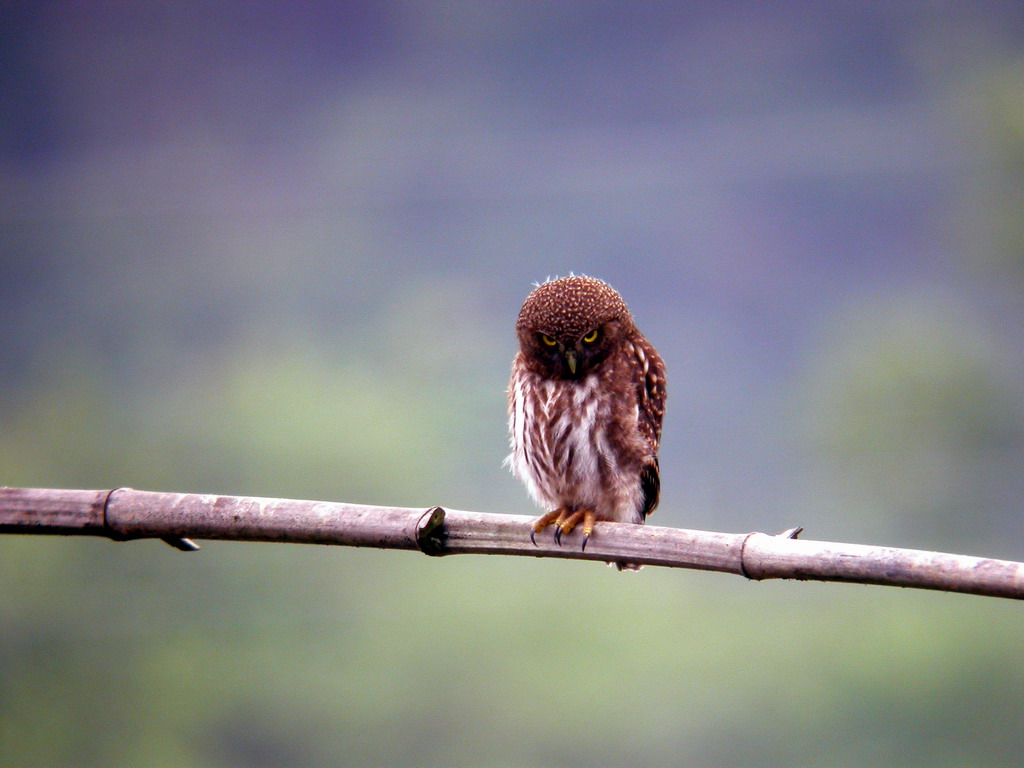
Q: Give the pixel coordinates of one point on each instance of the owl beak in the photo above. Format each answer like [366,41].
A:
[570,359]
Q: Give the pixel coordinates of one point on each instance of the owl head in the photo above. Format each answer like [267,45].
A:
[568,327]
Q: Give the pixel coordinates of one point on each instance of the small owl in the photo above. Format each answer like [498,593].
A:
[585,405]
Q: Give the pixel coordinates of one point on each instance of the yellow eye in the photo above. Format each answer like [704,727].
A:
[591,337]
[548,340]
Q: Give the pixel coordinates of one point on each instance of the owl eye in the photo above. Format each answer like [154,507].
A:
[591,337]
[548,340]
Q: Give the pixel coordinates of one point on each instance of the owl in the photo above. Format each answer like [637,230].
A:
[585,404]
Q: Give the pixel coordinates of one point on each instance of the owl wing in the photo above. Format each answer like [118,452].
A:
[651,395]
[650,484]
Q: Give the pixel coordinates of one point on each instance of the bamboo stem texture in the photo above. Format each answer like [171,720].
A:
[123,514]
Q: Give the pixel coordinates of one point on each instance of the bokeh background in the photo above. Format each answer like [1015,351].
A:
[277,249]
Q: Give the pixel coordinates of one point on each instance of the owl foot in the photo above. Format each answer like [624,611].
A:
[565,522]
[554,516]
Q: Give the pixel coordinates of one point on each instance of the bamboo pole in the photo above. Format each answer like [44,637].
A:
[123,514]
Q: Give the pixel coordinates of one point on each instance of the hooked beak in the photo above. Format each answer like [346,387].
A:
[570,359]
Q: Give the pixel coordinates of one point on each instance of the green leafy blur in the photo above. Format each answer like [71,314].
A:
[280,252]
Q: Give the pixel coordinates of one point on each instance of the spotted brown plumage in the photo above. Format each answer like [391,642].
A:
[586,402]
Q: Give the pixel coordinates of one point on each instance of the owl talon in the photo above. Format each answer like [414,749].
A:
[565,522]
[542,522]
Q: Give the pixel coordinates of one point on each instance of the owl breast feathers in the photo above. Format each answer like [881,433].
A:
[586,401]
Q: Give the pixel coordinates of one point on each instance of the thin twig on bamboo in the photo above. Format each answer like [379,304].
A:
[122,514]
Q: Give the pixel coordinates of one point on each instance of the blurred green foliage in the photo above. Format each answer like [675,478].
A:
[261,256]
[914,411]
[998,199]
[271,655]
[260,654]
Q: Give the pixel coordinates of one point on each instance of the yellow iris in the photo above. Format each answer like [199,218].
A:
[591,337]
